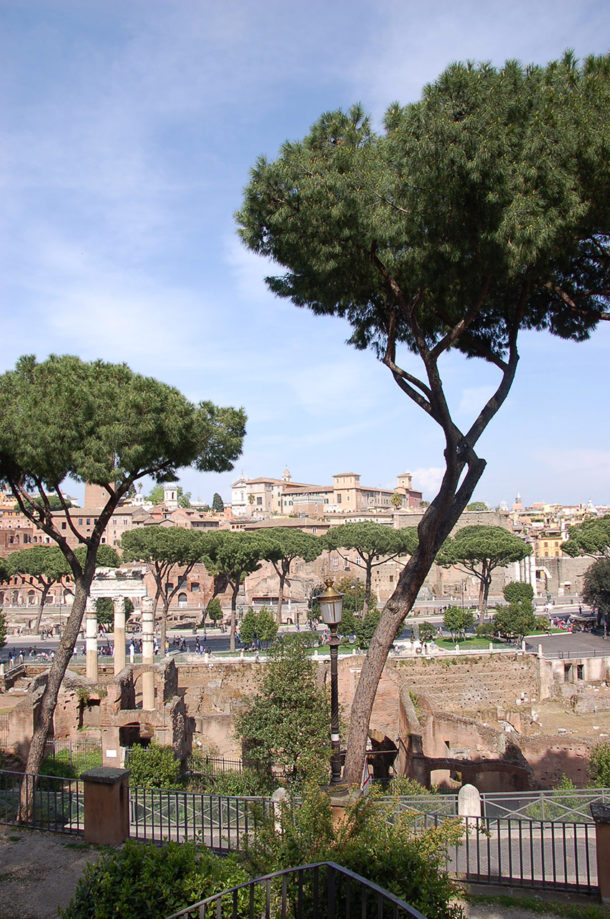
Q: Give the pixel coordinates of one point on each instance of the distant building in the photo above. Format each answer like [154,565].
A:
[263,497]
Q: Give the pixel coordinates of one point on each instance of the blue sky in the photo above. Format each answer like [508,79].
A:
[128,132]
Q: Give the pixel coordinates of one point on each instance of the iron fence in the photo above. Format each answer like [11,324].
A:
[324,890]
[523,853]
[55,804]
[213,765]
[556,806]
[220,822]
[440,805]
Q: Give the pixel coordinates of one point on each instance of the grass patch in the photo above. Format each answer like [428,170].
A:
[536,905]
[466,643]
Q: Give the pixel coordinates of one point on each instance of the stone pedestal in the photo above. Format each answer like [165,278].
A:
[106,806]
[341,797]
[601,815]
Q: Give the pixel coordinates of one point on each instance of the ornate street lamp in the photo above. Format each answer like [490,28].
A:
[331,609]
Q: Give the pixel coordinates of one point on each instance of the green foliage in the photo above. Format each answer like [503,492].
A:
[218,505]
[141,879]
[247,626]
[477,506]
[475,213]
[596,585]
[214,610]
[479,550]
[485,630]
[426,631]
[375,841]
[234,555]
[104,608]
[69,765]
[515,620]
[287,723]
[266,626]
[156,496]
[458,621]
[599,765]
[353,591]
[154,766]
[365,628]
[518,590]
[401,785]
[248,782]
[591,537]
[373,544]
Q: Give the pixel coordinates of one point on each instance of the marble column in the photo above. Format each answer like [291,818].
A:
[148,657]
[91,640]
[119,634]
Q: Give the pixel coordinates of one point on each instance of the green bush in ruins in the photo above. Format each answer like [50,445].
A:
[599,765]
[153,881]
[154,766]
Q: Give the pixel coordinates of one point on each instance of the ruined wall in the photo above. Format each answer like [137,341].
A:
[468,684]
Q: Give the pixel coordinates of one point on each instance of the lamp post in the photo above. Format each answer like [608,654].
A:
[331,608]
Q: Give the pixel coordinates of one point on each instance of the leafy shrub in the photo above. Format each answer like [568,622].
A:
[213,611]
[153,881]
[402,785]
[426,631]
[154,766]
[458,621]
[374,841]
[366,627]
[248,782]
[599,765]
[518,590]
[485,630]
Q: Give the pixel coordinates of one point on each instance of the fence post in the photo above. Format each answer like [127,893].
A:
[106,805]
[601,815]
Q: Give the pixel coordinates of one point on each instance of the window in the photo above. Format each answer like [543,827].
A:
[182,600]
[259,500]
[195,587]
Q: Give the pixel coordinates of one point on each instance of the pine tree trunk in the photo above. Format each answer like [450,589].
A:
[43,599]
[436,524]
[367,591]
[233,616]
[280,599]
[44,714]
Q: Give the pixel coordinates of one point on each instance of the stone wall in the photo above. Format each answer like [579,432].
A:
[472,684]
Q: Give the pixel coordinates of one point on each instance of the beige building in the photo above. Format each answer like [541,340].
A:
[264,497]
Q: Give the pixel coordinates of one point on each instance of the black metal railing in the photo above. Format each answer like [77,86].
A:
[323,890]
[523,853]
[54,804]
[220,822]
[217,764]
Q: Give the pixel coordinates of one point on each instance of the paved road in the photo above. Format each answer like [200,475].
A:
[573,643]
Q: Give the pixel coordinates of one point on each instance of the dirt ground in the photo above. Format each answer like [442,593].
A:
[39,872]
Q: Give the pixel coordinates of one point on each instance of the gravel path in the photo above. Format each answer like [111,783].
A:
[39,872]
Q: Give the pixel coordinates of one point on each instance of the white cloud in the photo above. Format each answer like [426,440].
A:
[428,480]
